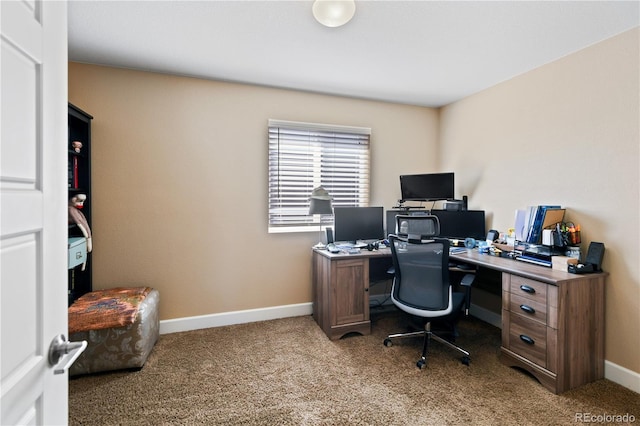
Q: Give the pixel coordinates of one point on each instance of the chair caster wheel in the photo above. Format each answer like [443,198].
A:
[421,364]
[466,360]
[388,342]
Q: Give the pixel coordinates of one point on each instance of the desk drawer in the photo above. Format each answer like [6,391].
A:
[528,308]
[534,291]
[528,338]
[77,251]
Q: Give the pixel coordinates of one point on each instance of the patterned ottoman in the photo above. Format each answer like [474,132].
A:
[121,326]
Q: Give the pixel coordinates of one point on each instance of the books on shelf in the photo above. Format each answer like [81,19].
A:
[75,172]
[69,174]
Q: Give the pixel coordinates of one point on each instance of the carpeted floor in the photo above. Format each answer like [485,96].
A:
[286,372]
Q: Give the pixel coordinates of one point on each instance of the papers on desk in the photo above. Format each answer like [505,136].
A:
[348,248]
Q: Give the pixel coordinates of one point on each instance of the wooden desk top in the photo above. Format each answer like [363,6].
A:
[502,264]
[523,269]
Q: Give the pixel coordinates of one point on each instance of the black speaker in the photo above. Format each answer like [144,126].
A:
[329,235]
[595,255]
[465,203]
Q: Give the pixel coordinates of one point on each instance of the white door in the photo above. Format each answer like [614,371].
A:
[33,214]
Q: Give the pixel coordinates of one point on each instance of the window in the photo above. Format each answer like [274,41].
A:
[303,156]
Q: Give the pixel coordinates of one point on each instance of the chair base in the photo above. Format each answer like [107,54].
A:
[428,335]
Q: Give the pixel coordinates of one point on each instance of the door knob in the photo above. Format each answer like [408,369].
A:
[62,350]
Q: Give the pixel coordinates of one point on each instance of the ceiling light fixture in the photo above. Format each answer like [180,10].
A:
[333,13]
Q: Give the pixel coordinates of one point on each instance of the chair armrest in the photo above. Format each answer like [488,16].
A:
[466,282]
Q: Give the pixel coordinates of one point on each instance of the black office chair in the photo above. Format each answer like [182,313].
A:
[417,226]
[422,289]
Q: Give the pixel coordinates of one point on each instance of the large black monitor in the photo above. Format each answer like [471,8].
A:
[358,224]
[427,187]
[461,224]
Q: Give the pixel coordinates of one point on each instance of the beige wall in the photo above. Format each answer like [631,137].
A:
[180,175]
[180,183]
[565,133]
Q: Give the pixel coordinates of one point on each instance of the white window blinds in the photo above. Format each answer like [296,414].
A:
[303,156]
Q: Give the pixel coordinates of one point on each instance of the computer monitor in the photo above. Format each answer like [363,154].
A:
[358,224]
[461,224]
[427,187]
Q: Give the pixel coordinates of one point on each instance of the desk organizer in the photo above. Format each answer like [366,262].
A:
[121,326]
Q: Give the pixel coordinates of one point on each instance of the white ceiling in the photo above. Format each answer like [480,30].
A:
[428,53]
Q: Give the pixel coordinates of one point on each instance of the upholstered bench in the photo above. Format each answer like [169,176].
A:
[121,326]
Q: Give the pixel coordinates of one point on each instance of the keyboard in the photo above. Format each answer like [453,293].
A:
[457,250]
[534,260]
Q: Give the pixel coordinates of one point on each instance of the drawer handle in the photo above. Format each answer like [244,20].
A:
[527,289]
[528,340]
[528,309]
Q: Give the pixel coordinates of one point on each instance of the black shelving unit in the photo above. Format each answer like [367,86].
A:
[79,182]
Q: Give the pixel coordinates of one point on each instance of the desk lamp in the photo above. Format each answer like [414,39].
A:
[320,203]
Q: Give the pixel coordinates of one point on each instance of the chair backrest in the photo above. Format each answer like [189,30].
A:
[421,279]
[417,227]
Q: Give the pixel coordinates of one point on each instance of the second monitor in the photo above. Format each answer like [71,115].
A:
[358,224]
[461,224]
[453,224]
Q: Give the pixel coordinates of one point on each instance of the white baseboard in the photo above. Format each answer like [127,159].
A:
[616,373]
[234,317]
[622,376]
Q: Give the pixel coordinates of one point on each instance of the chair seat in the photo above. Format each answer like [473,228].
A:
[457,302]
[445,324]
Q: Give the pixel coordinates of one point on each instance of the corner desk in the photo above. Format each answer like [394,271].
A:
[552,321]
